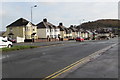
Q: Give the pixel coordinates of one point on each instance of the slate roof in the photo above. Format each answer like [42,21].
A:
[45,24]
[89,32]
[73,28]
[20,22]
[68,30]
[62,28]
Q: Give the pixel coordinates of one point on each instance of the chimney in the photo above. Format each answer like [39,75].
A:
[45,20]
[71,26]
[60,24]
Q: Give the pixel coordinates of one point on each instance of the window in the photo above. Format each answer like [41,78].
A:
[4,40]
[10,29]
[55,30]
[27,29]
[51,36]
[56,36]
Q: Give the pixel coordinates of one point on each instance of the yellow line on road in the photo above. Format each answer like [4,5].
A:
[54,75]
[81,61]
[65,69]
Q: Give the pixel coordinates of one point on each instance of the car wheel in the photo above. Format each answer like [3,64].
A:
[9,46]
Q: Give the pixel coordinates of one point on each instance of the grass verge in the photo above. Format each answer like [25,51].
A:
[17,48]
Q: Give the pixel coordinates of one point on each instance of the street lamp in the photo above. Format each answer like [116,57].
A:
[81,21]
[32,35]
[31,11]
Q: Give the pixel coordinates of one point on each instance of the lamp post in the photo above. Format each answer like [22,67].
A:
[31,11]
[32,36]
[82,20]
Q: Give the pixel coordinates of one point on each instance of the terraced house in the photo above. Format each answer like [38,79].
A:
[74,32]
[63,31]
[21,28]
[47,30]
[44,30]
[68,33]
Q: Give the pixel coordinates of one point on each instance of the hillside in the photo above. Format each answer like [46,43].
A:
[103,23]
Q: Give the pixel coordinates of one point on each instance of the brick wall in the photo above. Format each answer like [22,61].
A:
[46,40]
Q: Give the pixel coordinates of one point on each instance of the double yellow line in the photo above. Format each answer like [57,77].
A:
[77,63]
[56,74]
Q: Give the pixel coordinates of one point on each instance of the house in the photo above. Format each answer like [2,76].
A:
[89,35]
[1,33]
[95,35]
[74,32]
[104,33]
[81,33]
[68,32]
[21,28]
[63,31]
[86,34]
[47,30]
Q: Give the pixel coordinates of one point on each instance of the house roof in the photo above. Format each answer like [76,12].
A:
[62,28]
[45,24]
[73,28]
[19,22]
[68,30]
[89,32]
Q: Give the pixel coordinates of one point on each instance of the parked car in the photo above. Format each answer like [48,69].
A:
[79,39]
[103,37]
[12,40]
[5,43]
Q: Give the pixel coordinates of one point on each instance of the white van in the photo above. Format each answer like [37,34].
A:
[5,43]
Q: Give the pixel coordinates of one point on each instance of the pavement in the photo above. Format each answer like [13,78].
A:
[51,43]
[41,62]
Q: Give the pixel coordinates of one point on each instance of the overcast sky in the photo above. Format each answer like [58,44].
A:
[66,12]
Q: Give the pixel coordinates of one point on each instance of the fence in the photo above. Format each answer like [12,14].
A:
[20,39]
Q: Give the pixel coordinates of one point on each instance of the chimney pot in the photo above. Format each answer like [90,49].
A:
[71,26]
[45,20]
[60,24]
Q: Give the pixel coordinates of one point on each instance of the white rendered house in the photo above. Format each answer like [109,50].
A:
[47,30]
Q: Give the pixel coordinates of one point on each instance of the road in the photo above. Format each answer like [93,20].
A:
[106,66]
[41,62]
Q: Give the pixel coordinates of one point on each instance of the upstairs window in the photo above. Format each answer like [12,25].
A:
[27,29]
[11,30]
[33,29]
